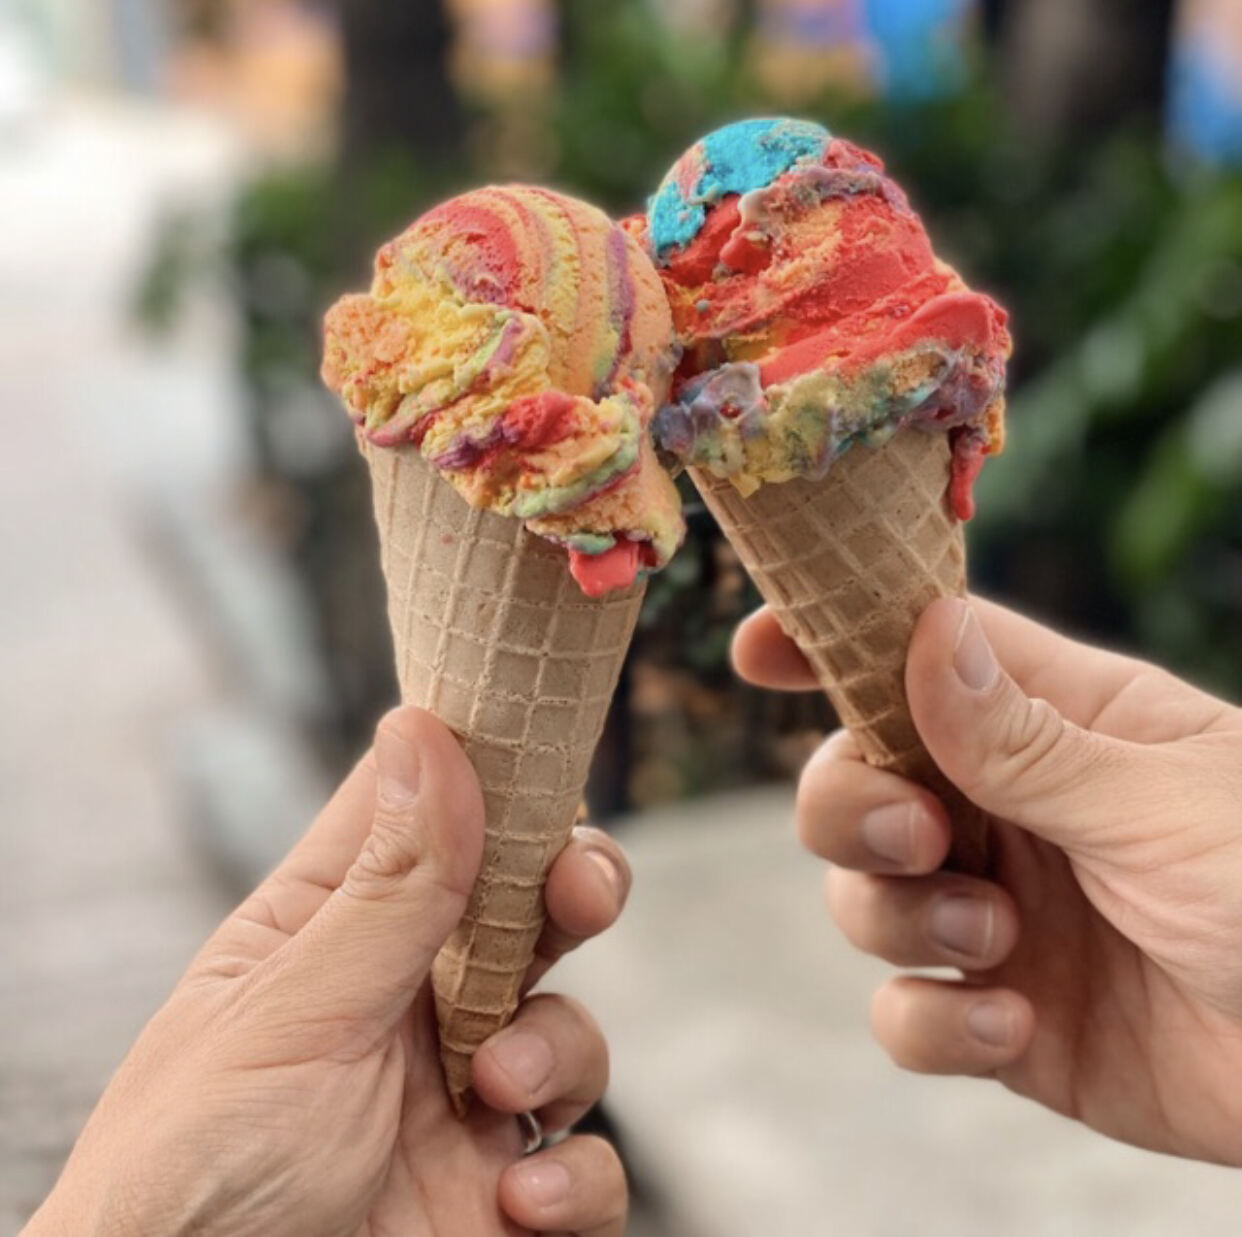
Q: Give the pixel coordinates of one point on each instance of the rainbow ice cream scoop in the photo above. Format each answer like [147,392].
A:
[813,312]
[521,341]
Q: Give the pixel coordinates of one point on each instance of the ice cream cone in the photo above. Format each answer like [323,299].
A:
[493,636]
[847,564]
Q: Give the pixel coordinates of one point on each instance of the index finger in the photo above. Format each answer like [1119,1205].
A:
[585,894]
[1041,661]
[765,656]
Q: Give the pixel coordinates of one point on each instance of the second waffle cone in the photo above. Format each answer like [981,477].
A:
[847,564]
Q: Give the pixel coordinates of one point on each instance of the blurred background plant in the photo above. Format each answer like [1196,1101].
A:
[1052,162]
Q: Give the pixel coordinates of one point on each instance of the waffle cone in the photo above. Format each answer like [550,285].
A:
[493,636]
[847,564]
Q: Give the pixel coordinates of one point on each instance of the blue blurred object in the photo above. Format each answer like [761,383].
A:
[1205,87]
[920,46]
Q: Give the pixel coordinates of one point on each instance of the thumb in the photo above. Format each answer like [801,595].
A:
[1016,757]
[363,956]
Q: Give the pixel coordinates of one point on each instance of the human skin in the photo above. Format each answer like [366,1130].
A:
[1100,966]
[291,1084]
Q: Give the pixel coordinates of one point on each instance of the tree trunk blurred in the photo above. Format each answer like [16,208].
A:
[401,137]
[398,92]
[1072,66]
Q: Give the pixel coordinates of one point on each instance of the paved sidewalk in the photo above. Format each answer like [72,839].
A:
[103,902]
[745,1078]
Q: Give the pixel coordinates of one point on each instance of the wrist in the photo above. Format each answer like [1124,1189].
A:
[90,1201]
[85,1213]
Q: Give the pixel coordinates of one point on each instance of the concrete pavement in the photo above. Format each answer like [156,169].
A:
[746,1081]
[104,899]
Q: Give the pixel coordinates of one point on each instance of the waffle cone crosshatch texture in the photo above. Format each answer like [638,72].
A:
[494,637]
[847,564]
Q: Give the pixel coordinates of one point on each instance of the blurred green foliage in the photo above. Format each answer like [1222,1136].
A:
[1125,444]
[1116,509]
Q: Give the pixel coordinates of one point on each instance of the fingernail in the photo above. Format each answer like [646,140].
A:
[888,832]
[544,1182]
[990,1022]
[973,658]
[397,768]
[963,924]
[524,1056]
[611,872]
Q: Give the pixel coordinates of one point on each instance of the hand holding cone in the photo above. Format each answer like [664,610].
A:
[504,370]
[839,390]
[494,637]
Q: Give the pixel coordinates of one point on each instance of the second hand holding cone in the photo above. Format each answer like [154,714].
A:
[504,370]
[839,391]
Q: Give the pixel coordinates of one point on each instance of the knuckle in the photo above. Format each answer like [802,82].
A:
[572,1028]
[840,747]
[600,1153]
[387,856]
[581,1023]
[854,901]
[606,1170]
[816,810]
[561,1011]
[811,832]
[1029,747]
[832,892]
[592,1055]
[219,966]
[843,843]
[555,942]
[898,1025]
[259,908]
[599,1062]
[808,829]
